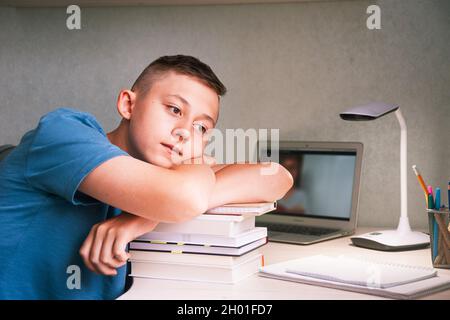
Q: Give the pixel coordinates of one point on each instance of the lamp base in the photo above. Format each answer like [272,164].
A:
[392,240]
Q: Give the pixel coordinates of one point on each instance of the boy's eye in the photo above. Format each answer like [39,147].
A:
[201,128]
[175,110]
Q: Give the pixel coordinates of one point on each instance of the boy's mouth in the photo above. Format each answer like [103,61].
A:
[172,148]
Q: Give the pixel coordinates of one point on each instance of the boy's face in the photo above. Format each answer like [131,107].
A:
[176,111]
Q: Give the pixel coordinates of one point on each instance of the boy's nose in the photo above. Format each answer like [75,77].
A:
[181,134]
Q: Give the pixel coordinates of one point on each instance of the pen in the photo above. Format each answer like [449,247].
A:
[437,199]
[437,206]
[433,224]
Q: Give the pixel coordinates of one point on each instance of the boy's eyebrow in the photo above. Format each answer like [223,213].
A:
[180,98]
[203,115]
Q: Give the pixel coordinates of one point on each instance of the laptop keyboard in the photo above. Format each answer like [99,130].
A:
[281,227]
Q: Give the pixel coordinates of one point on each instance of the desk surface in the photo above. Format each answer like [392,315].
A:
[256,287]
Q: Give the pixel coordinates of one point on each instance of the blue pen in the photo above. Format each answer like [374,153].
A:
[437,199]
[431,221]
[437,206]
[448,194]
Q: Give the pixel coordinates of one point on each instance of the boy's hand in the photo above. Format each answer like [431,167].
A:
[204,159]
[104,248]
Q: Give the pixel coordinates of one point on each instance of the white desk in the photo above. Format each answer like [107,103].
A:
[256,287]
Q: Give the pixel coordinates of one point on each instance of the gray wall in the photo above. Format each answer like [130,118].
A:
[287,66]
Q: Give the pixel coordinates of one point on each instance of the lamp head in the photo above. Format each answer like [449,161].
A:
[369,111]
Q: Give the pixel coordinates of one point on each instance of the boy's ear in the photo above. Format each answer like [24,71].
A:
[125,103]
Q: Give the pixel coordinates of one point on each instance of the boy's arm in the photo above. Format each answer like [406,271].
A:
[149,191]
[104,249]
[153,194]
[241,183]
[218,167]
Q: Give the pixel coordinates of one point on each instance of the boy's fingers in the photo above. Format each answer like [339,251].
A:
[106,256]
[118,251]
[94,251]
[211,161]
[85,250]
[94,256]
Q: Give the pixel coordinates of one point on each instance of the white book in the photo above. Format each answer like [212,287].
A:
[202,273]
[237,240]
[387,280]
[195,248]
[254,209]
[191,258]
[209,224]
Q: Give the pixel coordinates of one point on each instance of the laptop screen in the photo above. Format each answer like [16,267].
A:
[323,184]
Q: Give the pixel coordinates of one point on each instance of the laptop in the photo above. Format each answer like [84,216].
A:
[323,202]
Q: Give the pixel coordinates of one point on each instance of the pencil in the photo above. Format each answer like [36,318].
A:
[421,182]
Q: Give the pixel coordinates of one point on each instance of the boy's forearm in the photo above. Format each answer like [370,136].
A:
[200,181]
[241,183]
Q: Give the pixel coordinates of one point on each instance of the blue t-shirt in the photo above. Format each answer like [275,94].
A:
[44,220]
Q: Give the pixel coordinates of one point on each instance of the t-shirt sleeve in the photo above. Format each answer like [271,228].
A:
[66,147]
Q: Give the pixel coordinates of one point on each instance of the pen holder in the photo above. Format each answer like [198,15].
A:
[440,237]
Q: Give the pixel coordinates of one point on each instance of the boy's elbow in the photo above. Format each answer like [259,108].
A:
[283,181]
[286,181]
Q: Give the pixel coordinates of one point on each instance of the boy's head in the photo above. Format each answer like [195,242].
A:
[171,105]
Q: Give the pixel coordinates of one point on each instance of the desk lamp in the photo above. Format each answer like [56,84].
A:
[403,238]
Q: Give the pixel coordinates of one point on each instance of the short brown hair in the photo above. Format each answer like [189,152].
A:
[181,64]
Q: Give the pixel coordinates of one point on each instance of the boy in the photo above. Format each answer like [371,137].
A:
[72,196]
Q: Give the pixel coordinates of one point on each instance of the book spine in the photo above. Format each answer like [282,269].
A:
[221,228]
[224,228]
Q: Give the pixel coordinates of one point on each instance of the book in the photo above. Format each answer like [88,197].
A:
[202,273]
[383,279]
[237,240]
[190,258]
[195,248]
[254,209]
[210,224]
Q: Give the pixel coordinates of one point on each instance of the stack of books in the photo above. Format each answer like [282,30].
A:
[222,246]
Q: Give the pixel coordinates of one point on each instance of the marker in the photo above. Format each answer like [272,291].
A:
[437,206]
[430,191]
[448,194]
[433,224]
[430,201]
[437,201]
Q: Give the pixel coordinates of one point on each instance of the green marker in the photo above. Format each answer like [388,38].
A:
[430,201]
[433,225]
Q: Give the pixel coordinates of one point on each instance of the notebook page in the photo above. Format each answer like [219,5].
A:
[411,290]
[359,272]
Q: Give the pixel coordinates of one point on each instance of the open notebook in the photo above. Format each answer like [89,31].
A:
[359,272]
[383,279]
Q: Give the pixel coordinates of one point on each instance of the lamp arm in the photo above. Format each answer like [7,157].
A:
[404,222]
